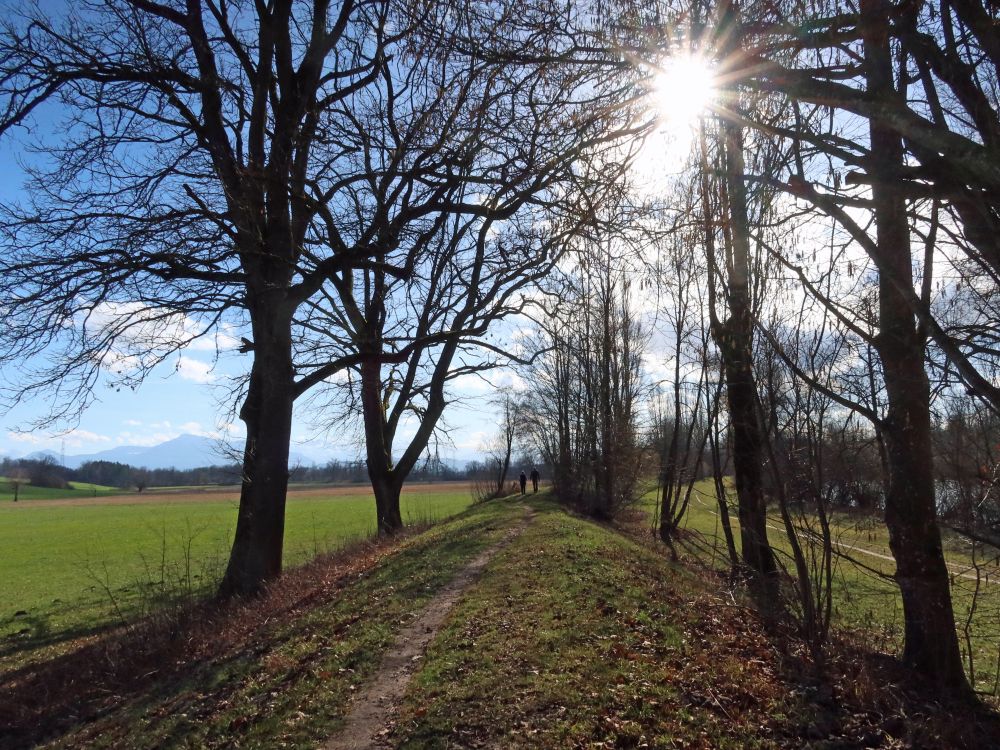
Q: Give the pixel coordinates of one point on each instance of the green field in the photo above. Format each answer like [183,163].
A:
[861,597]
[25,492]
[68,569]
[571,636]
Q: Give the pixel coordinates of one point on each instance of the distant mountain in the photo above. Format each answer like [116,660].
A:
[184,452]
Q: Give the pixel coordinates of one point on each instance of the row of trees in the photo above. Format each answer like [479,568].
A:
[852,131]
[862,115]
[829,287]
[40,473]
[586,387]
[368,189]
[47,472]
[361,189]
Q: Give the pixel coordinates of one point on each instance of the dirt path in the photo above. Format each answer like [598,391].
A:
[377,704]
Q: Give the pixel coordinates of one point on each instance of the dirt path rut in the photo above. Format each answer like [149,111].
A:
[375,707]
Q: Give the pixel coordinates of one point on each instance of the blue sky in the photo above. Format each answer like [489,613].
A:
[191,400]
[188,395]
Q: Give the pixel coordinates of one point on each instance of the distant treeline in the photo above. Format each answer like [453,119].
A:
[357,472]
[46,472]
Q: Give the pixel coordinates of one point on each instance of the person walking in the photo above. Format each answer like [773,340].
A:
[535,476]
[524,481]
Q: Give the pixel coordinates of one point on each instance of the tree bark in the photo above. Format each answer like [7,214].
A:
[387,487]
[734,337]
[267,412]
[735,341]
[381,470]
[931,642]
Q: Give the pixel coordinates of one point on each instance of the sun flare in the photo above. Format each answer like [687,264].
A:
[682,90]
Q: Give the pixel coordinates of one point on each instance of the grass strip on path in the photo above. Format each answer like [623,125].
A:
[577,636]
[375,708]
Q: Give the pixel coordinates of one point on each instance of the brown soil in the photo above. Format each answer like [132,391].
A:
[232,494]
[370,720]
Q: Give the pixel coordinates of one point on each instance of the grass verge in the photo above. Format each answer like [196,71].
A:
[27,492]
[72,570]
[574,636]
[277,671]
[577,636]
[865,598]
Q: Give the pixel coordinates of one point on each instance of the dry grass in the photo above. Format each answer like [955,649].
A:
[857,694]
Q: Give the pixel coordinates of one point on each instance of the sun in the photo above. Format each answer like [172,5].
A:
[682,89]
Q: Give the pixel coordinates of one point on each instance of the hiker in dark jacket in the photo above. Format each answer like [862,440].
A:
[524,481]
[535,476]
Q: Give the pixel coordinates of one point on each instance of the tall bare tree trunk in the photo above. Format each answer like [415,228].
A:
[735,340]
[721,494]
[734,336]
[931,642]
[267,412]
[386,484]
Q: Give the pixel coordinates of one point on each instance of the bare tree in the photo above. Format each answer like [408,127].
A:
[725,206]
[585,389]
[860,64]
[799,426]
[945,113]
[280,169]
[17,478]
[186,190]
[500,446]
[930,641]
[527,151]
[693,393]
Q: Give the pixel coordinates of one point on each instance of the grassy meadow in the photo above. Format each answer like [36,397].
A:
[573,635]
[863,595]
[27,493]
[74,562]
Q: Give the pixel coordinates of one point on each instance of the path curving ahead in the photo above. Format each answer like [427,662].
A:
[374,708]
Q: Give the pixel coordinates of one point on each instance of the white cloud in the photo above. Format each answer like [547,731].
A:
[473,441]
[144,439]
[195,428]
[220,341]
[230,429]
[340,376]
[28,438]
[160,432]
[84,438]
[658,366]
[508,379]
[75,439]
[466,384]
[195,370]
[143,333]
